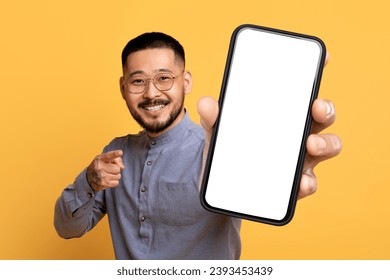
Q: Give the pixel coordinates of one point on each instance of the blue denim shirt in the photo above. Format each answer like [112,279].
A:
[155,211]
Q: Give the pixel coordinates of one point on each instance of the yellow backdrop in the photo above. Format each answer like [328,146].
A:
[60,104]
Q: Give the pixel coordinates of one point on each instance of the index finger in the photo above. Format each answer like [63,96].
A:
[111,156]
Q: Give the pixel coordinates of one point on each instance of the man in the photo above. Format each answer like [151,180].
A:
[148,183]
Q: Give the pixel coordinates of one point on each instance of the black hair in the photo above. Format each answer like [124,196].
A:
[153,40]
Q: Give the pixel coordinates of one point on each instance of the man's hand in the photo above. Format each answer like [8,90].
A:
[105,170]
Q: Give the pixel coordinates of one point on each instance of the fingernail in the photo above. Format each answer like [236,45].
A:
[329,109]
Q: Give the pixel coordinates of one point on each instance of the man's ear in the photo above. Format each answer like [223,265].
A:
[187,82]
[122,87]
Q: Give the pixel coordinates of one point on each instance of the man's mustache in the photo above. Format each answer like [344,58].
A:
[155,102]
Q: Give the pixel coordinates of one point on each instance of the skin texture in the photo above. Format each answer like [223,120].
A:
[104,170]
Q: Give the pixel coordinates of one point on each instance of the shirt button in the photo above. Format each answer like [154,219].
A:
[153,142]
[90,195]
[149,163]
[143,189]
[143,218]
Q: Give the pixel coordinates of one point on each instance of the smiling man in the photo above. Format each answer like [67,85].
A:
[148,183]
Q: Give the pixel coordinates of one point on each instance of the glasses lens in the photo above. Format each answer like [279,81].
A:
[163,81]
[136,84]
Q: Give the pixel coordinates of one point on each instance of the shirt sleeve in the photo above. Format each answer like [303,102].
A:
[78,209]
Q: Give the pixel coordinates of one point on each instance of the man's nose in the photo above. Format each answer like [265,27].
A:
[151,91]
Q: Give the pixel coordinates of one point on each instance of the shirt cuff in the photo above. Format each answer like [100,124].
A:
[84,191]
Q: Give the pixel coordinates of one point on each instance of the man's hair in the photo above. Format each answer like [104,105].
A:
[150,41]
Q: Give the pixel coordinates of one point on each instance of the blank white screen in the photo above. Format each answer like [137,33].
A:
[262,123]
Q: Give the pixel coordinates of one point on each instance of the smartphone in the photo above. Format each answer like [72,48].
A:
[257,149]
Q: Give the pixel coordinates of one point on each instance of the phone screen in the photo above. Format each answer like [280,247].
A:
[257,150]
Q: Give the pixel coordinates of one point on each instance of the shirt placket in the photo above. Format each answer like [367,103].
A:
[145,215]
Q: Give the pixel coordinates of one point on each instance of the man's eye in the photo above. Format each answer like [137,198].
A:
[164,78]
[137,81]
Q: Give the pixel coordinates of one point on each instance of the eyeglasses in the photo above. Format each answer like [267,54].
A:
[138,84]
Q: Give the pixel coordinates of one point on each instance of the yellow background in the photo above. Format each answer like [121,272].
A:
[60,104]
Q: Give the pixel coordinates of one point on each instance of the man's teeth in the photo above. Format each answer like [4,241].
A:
[154,108]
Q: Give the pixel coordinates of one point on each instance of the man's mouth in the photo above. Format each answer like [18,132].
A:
[154,106]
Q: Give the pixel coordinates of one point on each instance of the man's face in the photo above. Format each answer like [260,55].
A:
[155,110]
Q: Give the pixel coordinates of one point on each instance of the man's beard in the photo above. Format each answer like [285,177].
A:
[157,126]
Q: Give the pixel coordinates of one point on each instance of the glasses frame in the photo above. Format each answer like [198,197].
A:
[126,83]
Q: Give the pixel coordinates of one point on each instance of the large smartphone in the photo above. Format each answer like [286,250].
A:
[257,149]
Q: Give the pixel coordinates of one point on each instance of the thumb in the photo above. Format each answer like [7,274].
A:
[208,112]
